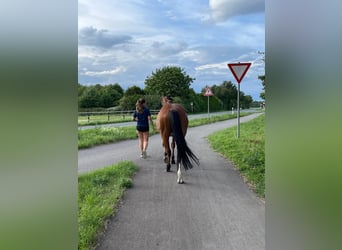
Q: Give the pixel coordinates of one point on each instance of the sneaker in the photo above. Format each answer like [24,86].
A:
[141,155]
[144,154]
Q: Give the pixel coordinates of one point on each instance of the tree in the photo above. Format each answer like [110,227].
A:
[131,95]
[90,98]
[98,96]
[114,93]
[262,94]
[118,88]
[227,93]
[134,90]
[81,90]
[246,101]
[169,80]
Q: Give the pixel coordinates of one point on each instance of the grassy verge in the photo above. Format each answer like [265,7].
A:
[98,195]
[216,118]
[103,119]
[97,136]
[247,153]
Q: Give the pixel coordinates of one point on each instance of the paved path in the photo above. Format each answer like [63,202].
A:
[214,209]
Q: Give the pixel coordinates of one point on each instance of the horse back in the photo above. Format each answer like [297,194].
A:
[163,118]
[162,121]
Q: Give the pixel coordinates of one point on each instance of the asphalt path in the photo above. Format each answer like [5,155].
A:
[214,209]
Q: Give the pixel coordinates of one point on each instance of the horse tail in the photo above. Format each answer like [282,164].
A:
[184,153]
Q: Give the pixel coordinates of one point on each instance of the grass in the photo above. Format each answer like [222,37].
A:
[104,119]
[97,136]
[100,135]
[247,153]
[216,118]
[98,195]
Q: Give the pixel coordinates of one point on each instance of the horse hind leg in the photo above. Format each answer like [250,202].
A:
[179,174]
[168,164]
[173,145]
[167,153]
[165,158]
[167,161]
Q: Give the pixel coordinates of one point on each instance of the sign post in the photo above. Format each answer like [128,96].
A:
[239,70]
[208,92]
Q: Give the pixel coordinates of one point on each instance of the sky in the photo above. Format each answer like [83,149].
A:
[126,41]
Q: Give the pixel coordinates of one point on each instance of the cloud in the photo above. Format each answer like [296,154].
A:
[100,38]
[221,10]
[106,72]
[165,49]
[211,66]
[124,41]
[190,55]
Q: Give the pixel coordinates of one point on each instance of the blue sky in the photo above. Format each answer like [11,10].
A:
[125,41]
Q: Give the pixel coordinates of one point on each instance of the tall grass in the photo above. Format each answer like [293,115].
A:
[98,195]
[247,152]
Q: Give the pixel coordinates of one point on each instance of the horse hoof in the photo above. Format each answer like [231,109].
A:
[180,181]
[168,167]
[173,162]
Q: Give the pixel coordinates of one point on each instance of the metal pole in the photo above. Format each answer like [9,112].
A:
[208,108]
[238,114]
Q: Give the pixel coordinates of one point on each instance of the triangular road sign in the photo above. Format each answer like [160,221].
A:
[208,92]
[239,70]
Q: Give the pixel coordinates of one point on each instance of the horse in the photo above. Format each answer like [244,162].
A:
[172,121]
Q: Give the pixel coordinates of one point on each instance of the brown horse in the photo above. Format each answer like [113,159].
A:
[172,120]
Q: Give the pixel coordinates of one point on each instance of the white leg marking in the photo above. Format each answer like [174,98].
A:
[179,174]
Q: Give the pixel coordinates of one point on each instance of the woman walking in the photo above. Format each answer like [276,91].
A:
[142,116]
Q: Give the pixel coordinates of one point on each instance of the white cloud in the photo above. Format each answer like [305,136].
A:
[106,72]
[221,10]
[192,55]
[119,16]
[212,66]
[138,36]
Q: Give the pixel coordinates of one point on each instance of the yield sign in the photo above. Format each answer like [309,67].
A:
[239,70]
[208,92]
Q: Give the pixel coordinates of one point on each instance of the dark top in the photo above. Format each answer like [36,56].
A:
[142,118]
